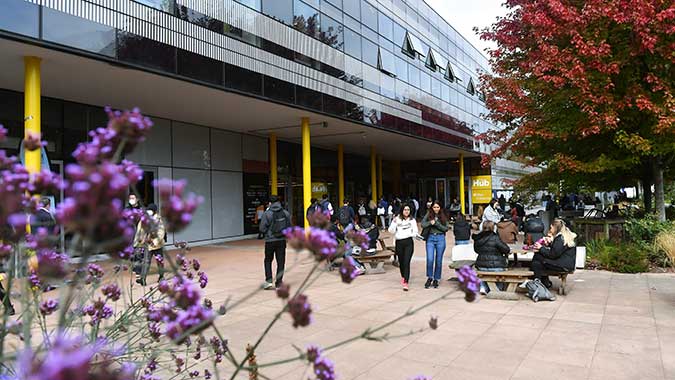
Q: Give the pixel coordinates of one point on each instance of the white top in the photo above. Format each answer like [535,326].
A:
[403,229]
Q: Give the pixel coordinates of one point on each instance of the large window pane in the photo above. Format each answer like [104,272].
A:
[279,89]
[385,27]
[352,43]
[436,87]
[198,182]
[227,150]
[333,105]
[369,52]
[156,149]
[414,76]
[146,52]
[199,67]
[386,62]
[369,15]
[387,86]
[228,208]
[425,82]
[201,19]
[306,19]
[337,3]
[163,5]
[281,10]
[191,146]
[371,78]
[352,8]
[308,98]
[255,4]
[20,17]
[77,32]
[353,71]
[401,69]
[243,80]
[242,35]
[331,32]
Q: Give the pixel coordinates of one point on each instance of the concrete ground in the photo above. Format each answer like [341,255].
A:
[609,326]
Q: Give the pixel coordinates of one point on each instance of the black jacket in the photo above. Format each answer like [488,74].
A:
[491,250]
[535,228]
[372,231]
[462,230]
[558,256]
[43,219]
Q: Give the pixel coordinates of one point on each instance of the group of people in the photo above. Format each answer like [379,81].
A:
[148,242]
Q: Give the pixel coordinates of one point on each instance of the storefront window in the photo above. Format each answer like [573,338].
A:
[77,32]
[20,17]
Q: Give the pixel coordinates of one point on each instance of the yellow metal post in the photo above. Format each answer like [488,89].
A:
[306,168]
[380,190]
[462,201]
[373,173]
[341,174]
[273,165]
[32,110]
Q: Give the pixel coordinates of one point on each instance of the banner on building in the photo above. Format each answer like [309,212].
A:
[481,189]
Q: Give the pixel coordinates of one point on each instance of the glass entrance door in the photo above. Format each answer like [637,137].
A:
[440,191]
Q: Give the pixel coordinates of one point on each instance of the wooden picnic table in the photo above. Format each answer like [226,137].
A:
[517,250]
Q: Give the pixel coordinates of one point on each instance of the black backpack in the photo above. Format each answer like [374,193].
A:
[279,223]
[343,216]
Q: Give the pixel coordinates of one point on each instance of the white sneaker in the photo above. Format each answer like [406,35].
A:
[268,286]
[483,290]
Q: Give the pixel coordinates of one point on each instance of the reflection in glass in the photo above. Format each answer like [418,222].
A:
[353,71]
[369,15]
[200,19]
[385,27]
[425,82]
[414,76]
[77,32]
[162,5]
[399,36]
[331,32]
[146,52]
[352,8]
[413,46]
[352,43]
[371,78]
[199,67]
[436,87]
[243,80]
[333,105]
[281,10]
[278,89]
[386,62]
[242,35]
[306,19]
[308,98]
[369,51]
[255,4]
[401,68]
[20,17]
[387,86]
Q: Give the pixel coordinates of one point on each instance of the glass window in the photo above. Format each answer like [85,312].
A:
[331,32]
[146,52]
[278,89]
[354,111]
[385,26]
[255,4]
[191,147]
[387,86]
[243,80]
[77,32]
[401,69]
[242,35]
[399,36]
[201,19]
[306,19]
[369,52]
[353,71]
[445,92]
[333,105]
[414,76]
[386,62]
[413,46]
[228,208]
[337,3]
[352,8]
[352,24]
[369,15]
[436,87]
[276,49]
[308,98]
[198,182]
[371,78]
[425,82]
[471,87]
[451,72]
[281,10]
[199,67]
[352,43]
[162,5]
[20,17]
[331,11]
[370,34]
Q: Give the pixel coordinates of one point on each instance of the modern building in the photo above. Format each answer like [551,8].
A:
[353,98]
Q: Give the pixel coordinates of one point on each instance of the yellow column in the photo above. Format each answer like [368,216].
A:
[32,110]
[341,175]
[462,201]
[273,165]
[380,190]
[373,173]
[306,168]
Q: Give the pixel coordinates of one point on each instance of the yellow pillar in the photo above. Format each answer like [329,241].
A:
[462,201]
[273,165]
[32,110]
[380,190]
[341,174]
[306,168]
[373,173]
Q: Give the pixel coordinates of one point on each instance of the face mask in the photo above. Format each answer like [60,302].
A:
[150,212]
[133,202]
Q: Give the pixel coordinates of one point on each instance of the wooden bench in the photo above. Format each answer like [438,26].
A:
[512,277]
[375,263]
[386,247]
[562,290]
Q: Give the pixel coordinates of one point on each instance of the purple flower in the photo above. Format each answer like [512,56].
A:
[34,280]
[94,273]
[97,311]
[159,258]
[203,280]
[49,306]
[207,374]
[196,317]
[321,243]
[358,239]
[185,294]
[111,291]
[468,282]
[196,264]
[433,323]
[32,141]
[348,270]
[283,291]
[3,133]
[177,210]
[324,369]
[300,310]
[51,264]
[421,377]
[313,353]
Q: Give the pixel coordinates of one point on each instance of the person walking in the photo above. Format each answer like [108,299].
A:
[152,243]
[492,252]
[326,206]
[404,228]
[560,256]
[415,205]
[437,224]
[275,220]
[313,207]
[346,215]
[132,202]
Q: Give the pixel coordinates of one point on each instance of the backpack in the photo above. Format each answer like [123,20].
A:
[362,210]
[324,205]
[343,216]
[279,223]
[537,291]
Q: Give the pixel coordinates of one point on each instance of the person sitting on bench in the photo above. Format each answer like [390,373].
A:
[560,256]
[492,252]
[372,231]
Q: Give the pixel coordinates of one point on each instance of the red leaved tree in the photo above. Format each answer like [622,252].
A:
[585,88]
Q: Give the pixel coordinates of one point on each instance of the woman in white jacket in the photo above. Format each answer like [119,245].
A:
[491,214]
[404,228]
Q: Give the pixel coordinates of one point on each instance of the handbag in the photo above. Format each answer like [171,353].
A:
[537,291]
[425,233]
[380,211]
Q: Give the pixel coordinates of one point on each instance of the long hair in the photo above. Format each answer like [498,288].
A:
[400,213]
[431,215]
[559,227]
[488,226]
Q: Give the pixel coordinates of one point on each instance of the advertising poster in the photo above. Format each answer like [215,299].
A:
[256,194]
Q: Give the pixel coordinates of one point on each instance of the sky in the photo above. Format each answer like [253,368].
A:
[463,15]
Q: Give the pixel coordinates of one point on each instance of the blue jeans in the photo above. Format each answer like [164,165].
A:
[435,246]
[484,284]
[462,242]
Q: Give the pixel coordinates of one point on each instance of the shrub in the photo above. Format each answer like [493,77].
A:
[643,232]
[617,257]
[664,244]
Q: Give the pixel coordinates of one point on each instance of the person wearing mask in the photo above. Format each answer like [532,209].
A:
[152,242]
[491,214]
[462,230]
[492,252]
[274,222]
[437,224]
[133,203]
[507,231]
[404,228]
[559,256]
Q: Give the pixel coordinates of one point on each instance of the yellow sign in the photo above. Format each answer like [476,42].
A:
[481,189]
[319,189]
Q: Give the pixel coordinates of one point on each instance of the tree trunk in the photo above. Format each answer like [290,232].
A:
[659,199]
[647,194]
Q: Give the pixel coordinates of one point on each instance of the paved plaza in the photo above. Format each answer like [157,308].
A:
[609,326]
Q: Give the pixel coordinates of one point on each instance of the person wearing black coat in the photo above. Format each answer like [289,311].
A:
[534,228]
[560,256]
[462,230]
[492,252]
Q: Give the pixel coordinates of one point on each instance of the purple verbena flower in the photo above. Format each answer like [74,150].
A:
[300,310]
[94,273]
[3,133]
[313,353]
[196,264]
[348,270]
[32,141]
[283,291]
[324,369]
[111,291]
[49,306]
[203,280]
[469,282]
[196,318]
[358,239]
[321,243]
[51,264]
[178,209]
[98,311]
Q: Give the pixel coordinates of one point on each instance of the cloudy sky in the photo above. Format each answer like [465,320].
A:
[464,15]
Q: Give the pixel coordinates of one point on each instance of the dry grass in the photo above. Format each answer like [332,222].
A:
[665,242]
